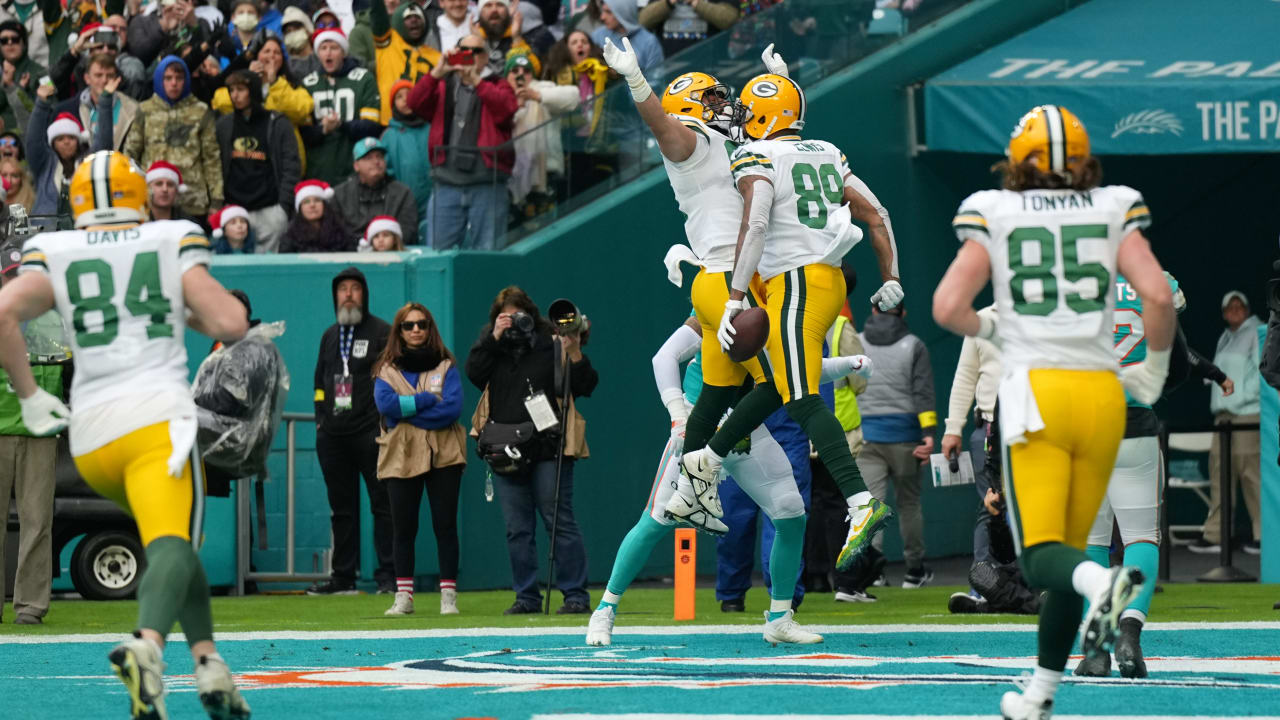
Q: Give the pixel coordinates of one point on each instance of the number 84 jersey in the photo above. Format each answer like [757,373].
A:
[809,222]
[119,293]
[1053,265]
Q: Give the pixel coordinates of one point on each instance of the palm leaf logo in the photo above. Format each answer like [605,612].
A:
[1149,122]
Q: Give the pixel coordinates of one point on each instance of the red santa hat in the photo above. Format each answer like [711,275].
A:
[164,170]
[311,188]
[334,33]
[381,223]
[66,124]
[228,213]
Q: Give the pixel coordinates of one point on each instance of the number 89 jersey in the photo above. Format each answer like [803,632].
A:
[809,222]
[1053,262]
[119,293]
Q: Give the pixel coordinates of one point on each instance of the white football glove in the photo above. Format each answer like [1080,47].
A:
[1145,381]
[44,414]
[774,62]
[1179,299]
[861,366]
[623,61]
[727,331]
[888,296]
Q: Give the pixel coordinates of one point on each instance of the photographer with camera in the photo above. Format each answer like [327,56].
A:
[526,366]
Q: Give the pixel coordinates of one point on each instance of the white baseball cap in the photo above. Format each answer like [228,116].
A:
[1234,295]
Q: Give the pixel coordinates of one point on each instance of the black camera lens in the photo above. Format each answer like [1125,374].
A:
[522,322]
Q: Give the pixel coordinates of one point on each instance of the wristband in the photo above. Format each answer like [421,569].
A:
[640,90]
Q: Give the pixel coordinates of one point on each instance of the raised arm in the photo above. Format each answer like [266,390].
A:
[676,141]
[214,311]
[682,345]
[1145,381]
[866,208]
[757,201]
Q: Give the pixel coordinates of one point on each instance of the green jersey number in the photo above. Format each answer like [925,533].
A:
[814,185]
[144,297]
[1072,269]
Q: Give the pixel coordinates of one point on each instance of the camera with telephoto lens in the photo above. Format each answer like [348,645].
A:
[568,320]
[1273,289]
[17,227]
[520,334]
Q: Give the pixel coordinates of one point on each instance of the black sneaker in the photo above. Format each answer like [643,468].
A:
[854,596]
[333,587]
[733,606]
[962,603]
[1253,547]
[1129,649]
[1204,547]
[521,608]
[917,578]
[573,607]
[1094,665]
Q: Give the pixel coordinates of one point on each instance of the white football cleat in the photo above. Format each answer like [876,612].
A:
[786,630]
[704,474]
[402,605]
[600,629]
[448,601]
[139,663]
[687,511]
[218,691]
[1104,610]
[1013,706]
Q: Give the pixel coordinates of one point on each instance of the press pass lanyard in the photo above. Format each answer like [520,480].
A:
[344,384]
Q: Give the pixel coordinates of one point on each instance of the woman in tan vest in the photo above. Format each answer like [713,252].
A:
[418,391]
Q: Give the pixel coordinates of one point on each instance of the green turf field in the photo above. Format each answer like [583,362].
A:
[1182,602]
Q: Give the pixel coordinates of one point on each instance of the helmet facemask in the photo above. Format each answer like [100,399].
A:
[718,106]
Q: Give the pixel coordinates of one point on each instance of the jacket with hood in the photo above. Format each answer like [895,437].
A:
[291,101]
[396,58]
[181,132]
[645,44]
[35,23]
[358,203]
[404,139]
[499,47]
[17,99]
[898,402]
[431,99]
[44,162]
[329,156]
[1239,355]
[281,150]
[369,337]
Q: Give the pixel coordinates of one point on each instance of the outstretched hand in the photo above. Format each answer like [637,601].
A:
[774,62]
[621,60]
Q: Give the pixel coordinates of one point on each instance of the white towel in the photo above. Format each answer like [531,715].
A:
[1019,413]
[182,436]
[677,254]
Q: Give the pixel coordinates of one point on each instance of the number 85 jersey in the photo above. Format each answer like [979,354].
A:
[119,293]
[1053,265]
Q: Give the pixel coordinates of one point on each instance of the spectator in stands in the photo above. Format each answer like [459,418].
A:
[338,125]
[232,233]
[11,143]
[404,139]
[533,29]
[498,34]
[316,226]
[347,427]
[165,191]
[382,235]
[30,17]
[579,62]
[19,77]
[898,420]
[400,52]
[174,126]
[448,25]
[20,187]
[583,15]
[361,40]
[176,29]
[511,363]
[130,66]
[619,20]
[297,40]
[100,75]
[539,155]
[469,202]
[371,192]
[247,29]
[260,164]
[418,391]
[54,147]
[682,23]
[1239,355]
[70,70]
[285,94]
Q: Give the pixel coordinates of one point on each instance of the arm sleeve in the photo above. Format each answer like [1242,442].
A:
[39,154]
[370,106]
[193,248]
[835,368]
[849,344]
[294,103]
[753,242]
[422,96]
[445,411]
[499,99]
[963,387]
[385,397]
[104,139]
[1136,214]
[481,358]
[33,258]
[969,223]
[922,386]
[682,345]
[582,377]
[856,184]
[379,22]
[560,99]
[221,102]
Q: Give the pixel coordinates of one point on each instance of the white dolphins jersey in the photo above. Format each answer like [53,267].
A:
[118,291]
[706,195]
[809,222]
[1053,266]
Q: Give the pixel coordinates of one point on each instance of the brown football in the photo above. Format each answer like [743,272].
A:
[752,325]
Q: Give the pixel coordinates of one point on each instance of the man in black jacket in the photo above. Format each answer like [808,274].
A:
[346,429]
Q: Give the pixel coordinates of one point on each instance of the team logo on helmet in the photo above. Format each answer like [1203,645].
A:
[679,85]
[764,89]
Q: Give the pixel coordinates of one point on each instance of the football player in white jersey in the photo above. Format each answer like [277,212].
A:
[1051,242]
[123,290]
[798,201]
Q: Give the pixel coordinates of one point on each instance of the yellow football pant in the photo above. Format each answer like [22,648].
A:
[709,293]
[802,304]
[1055,481]
[132,471]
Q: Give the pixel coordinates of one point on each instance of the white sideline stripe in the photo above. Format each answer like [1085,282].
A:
[661,630]
[658,716]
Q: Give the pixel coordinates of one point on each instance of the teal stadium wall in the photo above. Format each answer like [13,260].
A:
[607,258]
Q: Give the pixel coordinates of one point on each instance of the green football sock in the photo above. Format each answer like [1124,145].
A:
[747,416]
[712,403]
[162,593]
[1049,566]
[1059,622]
[784,557]
[195,615]
[824,431]
[634,551]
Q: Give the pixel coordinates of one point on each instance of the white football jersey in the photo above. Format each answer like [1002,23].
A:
[119,294]
[705,192]
[1053,265]
[809,222]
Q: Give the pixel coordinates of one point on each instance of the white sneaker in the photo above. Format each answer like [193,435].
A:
[600,629]
[687,511]
[139,663]
[704,474]
[403,604]
[786,630]
[218,691]
[448,601]
[1105,608]
[880,581]
[1013,706]
[855,597]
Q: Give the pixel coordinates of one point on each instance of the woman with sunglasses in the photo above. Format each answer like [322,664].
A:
[418,392]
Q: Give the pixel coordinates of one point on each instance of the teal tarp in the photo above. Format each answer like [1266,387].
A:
[1145,76]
